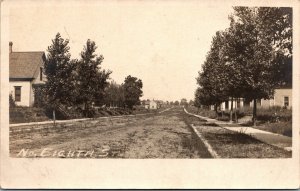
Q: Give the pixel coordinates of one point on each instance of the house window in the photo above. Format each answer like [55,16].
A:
[41,74]
[286,101]
[17,93]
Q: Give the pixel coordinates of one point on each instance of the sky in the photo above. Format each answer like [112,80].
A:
[164,43]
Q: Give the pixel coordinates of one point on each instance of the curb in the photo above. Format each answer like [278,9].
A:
[220,125]
[201,117]
[207,145]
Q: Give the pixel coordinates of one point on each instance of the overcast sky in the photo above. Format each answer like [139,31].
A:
[162,43]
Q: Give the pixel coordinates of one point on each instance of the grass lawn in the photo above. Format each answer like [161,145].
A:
[282,128]
[202,112]
[229,144]
[274,119]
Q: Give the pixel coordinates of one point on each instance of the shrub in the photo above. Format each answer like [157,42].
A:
[12,102]
[39,95]
[272,114]
[26,114]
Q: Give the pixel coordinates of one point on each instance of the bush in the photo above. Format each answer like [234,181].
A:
[90,113]
[27,114]
[12,102]
[64,112]
[39,95]
[272,114]
[203,112]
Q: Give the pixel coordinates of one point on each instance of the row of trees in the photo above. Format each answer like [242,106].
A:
[125,95]
[182,102]
[249,59]
[82,82]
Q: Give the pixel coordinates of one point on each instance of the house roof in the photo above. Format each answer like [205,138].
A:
[285,86]
[25,65]
[151,101]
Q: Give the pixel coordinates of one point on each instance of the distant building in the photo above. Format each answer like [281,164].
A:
[282,98]
[237,103]
[152,104]
[25,70]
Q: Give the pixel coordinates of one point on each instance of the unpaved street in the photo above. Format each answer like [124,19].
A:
[161,135]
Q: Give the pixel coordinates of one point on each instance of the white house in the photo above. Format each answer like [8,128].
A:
[151,104]
[282,98]
[237,103]
[25,70]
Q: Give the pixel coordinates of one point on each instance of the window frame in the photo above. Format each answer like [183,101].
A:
[18,96]
[284,101]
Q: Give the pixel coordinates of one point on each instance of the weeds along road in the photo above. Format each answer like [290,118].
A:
[161,135]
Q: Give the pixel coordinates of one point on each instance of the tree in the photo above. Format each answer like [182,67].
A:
[59,86]
[183,102]
[212,80]
[132,91]
[91,80]
[197,98]
[39,95]
[277,25]
[12,102]
[255,49]
[203,98]
[249,59]
[231,61]
[114,95]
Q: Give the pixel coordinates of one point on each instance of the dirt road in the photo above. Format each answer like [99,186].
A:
[161,135]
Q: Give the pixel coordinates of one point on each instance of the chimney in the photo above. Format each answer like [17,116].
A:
[10,47]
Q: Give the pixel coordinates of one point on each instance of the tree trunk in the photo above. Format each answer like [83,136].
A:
[235,115]
[216,110]
[54,119]
[231,108]
[85,110]
[254,112]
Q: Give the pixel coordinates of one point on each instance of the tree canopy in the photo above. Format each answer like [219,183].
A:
[114,95]
[72,82]
[132,90]
[250,58]
[91,79]
[59,86]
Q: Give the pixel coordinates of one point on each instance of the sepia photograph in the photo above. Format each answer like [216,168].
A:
[148,80]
